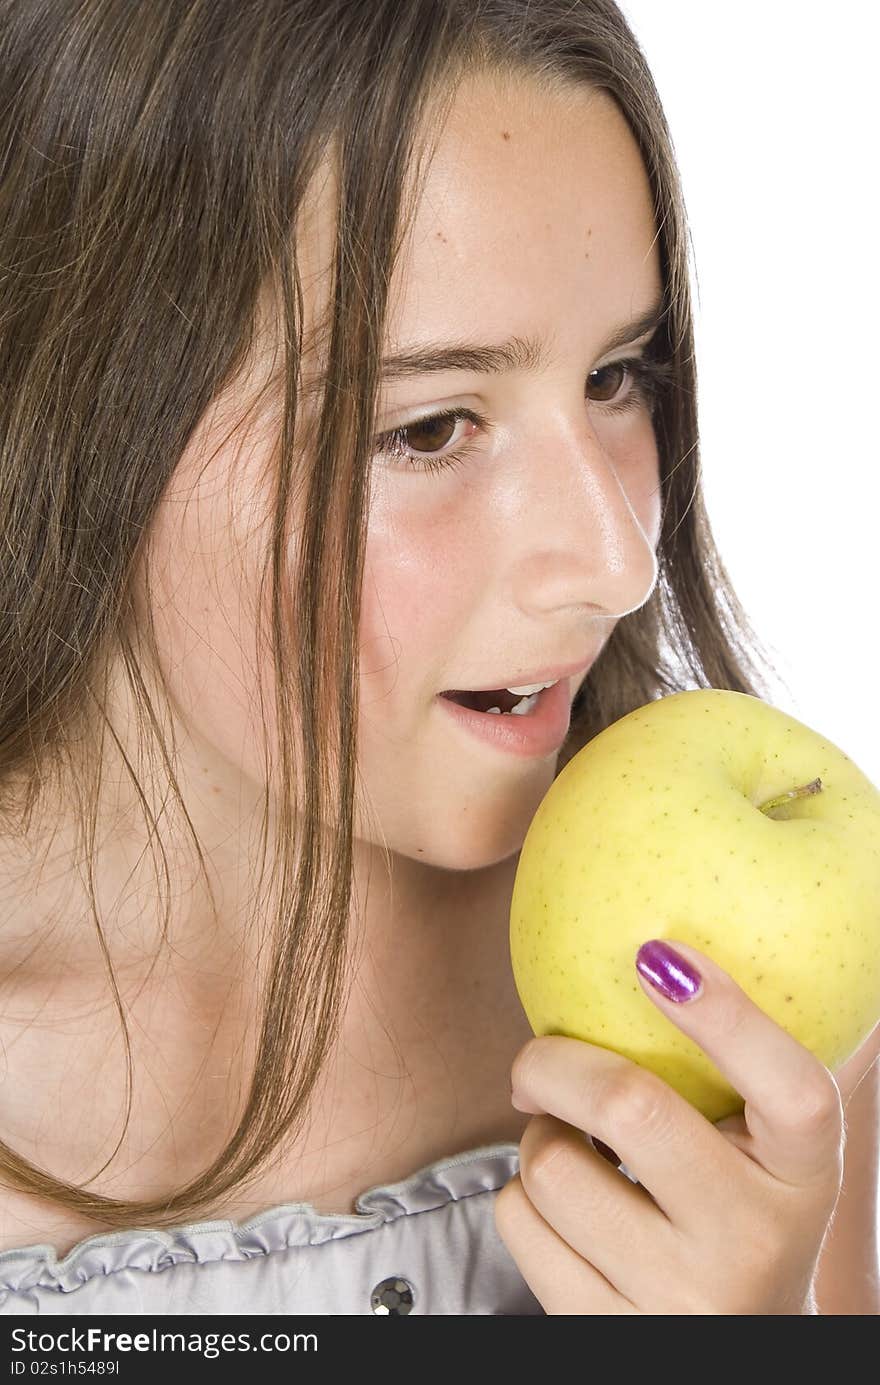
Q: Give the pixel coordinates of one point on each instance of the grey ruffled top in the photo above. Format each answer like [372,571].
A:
[427,1244]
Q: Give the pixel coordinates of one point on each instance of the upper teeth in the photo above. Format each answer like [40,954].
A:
[532,688]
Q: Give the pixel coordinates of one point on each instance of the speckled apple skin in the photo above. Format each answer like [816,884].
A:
[653,830]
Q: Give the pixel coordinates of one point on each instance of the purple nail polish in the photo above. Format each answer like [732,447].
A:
[667,971]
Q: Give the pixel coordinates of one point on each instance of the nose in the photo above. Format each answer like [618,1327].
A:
[584,520]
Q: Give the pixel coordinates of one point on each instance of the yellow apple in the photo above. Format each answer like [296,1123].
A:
[715,818]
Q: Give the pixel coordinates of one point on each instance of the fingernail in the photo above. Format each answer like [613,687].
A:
[667,971]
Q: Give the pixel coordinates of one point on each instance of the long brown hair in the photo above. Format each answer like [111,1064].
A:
[153,160]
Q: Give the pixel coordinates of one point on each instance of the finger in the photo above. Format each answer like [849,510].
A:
[675,1153]
[848,1077]
[606,1219]
[792,1104]
[562,1282]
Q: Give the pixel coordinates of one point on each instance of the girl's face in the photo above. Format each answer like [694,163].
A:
[536,226]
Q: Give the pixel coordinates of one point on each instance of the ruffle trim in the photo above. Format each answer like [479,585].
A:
[291,1224]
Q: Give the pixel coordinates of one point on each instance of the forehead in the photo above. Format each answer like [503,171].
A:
[530,201]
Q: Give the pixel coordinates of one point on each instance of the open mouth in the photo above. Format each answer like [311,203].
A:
[497,700]
[532,721]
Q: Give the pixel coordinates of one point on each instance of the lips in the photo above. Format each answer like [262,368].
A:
[538,730]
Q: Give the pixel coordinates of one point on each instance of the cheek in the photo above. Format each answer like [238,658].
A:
[418,574]
[205,553]
[649,501]
[637,462]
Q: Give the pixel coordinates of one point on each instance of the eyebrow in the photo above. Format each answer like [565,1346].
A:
[517,353]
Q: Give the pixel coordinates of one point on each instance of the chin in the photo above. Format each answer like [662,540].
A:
[470,850]
[491,828]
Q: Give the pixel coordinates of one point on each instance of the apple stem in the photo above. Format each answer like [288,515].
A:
[803,791]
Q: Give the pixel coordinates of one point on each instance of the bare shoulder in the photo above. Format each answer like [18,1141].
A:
[63,1097]
[53,1101]
[28,1221]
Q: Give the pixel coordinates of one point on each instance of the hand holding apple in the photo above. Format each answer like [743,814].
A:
[714,1219]
[714,818]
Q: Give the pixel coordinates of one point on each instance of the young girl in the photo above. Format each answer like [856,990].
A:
[347,363]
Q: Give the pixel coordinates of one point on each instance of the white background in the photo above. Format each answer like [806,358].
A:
[775,124]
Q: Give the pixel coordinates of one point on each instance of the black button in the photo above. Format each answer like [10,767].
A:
[392,1297]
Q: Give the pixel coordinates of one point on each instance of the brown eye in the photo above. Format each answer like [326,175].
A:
[438,433]
[606,382]
[430,434]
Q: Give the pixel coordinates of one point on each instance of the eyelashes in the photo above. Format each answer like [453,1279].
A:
[643,378]
[393,444]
